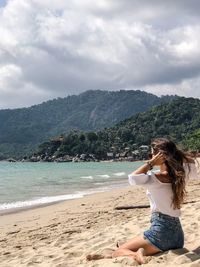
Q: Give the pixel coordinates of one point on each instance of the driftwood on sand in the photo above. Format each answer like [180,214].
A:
[142,206]
[131,207]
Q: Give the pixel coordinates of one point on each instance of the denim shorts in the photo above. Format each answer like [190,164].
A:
[165,232]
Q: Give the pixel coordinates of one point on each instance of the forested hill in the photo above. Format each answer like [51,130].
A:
[178,120]
[21,130]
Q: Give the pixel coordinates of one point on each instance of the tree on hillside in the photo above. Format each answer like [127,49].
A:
[192,141]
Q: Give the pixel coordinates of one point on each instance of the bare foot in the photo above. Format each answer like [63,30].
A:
[105,254]
[140,256]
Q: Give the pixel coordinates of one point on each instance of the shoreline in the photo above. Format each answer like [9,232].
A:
[85,194]
[37,206]
[99,180]
[76,205]
[123,184]
[100,161]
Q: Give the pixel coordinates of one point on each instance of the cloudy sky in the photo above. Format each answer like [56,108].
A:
[53,48]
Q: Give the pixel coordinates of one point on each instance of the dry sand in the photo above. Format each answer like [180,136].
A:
[61,235]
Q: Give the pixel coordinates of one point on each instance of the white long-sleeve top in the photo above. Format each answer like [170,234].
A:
[160,194]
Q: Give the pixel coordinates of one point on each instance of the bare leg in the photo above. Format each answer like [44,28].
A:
[123,252]
[137,247]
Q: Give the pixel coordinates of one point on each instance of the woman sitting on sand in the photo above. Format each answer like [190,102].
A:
[166,192]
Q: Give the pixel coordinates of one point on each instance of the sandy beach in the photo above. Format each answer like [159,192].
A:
[61,235]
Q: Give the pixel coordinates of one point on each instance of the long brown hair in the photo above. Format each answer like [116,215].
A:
[174,159]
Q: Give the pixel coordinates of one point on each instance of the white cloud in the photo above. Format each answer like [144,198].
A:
[186,88]
[10,76]
[55,48]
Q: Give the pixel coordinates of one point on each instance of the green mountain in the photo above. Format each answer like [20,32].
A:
[178,120]
[23,129]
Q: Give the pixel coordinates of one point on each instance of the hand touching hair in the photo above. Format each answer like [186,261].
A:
[174,159]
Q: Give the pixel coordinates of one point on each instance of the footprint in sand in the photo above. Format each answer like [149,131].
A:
[101,254]
[126,261]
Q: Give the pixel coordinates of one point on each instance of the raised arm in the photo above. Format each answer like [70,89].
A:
[140,176]
[157,160]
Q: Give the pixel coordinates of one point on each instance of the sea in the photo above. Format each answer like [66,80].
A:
[27,185]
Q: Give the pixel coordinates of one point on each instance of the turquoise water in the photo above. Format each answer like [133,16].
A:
[29,184]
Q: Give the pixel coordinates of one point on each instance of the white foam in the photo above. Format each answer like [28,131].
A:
[104,175]
[86,177]
[119,173]
[39,201]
